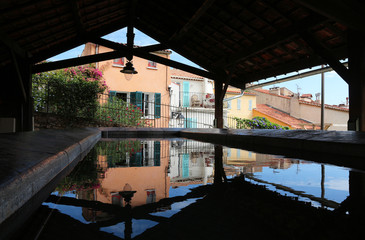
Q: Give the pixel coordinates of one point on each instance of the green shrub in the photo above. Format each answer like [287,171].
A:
[70,92]
[257,123]
[121,113]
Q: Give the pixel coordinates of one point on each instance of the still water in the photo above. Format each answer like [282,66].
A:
[128,174]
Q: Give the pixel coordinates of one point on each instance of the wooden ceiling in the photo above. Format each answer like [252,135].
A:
[247,40]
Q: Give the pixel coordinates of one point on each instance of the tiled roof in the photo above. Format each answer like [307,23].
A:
[326,106]
[180,74]
[302,101]
[238,91]
[282,116]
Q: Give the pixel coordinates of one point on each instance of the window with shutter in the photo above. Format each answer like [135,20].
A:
[157,153]
[157,105]
[112,94]
[136,99]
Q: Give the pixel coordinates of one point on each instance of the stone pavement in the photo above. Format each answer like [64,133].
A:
[30,160]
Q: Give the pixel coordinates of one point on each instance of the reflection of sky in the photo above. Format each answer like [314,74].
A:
[74,212]
[182,190]
[175,208]
[138,227]
[307,178]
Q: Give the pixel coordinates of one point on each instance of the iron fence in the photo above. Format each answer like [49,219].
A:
[131,112]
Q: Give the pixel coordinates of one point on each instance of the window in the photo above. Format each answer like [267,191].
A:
[151,196]
[152,64]
[238,104]
[122,96]
[249,105]
[149,103]
[119,62]
[229,105]
[238,153]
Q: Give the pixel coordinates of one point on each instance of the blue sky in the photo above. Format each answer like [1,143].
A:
[336,89]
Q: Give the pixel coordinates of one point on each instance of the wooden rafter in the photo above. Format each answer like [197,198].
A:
[341,11]
[279,37]
[197,15]
[44,67]
[140,52]
[326,55]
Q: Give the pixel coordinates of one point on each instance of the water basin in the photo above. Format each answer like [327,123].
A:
[133,188]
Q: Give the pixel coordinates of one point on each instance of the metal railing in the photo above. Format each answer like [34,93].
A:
[123,112]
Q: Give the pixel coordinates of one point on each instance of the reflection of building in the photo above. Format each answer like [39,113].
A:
[191,161]
[251,162]
[144,170]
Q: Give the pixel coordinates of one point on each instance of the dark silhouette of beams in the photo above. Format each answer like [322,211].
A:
[140,52]
[341,11]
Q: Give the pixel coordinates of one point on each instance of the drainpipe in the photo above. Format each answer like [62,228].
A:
[96,52]
[231,98]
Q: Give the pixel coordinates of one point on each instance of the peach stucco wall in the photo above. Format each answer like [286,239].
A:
[147,80]
[140,179]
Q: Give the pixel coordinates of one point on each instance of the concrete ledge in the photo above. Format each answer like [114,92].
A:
[115,132]
[30,160]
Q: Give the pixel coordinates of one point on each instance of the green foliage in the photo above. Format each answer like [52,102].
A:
[70,92]
[83,177]
[121,113]
[117,152]
[257,123]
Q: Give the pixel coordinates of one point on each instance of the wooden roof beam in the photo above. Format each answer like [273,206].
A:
[279,37]
[140,52]
[13,46]
[340,11]
[326,55]
[197,15]
[44,67]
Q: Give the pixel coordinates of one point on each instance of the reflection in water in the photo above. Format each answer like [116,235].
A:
[113,184]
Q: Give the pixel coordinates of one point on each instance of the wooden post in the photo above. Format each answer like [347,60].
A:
[356,49]
[218,88]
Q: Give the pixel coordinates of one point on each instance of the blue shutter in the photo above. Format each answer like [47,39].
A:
[190,123]
[186,87]
[185,165]
[250,105]
[112,94]
[157,105]
[238,104]
[157,153]
[136,99]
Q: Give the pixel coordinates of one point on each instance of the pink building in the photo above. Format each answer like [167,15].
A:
[149,89]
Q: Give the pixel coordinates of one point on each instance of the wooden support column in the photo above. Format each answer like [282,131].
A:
[20,72]
[356,48]
[218,88]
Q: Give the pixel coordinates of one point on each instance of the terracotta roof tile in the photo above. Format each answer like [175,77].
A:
[177,73]
[282,116]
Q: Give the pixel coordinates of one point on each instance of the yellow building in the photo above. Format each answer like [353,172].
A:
[239,104]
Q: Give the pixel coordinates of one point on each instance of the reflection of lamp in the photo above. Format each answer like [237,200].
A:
[127,193]
[128,71]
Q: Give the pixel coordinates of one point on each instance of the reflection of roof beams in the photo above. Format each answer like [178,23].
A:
[323,201]
[300,75]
